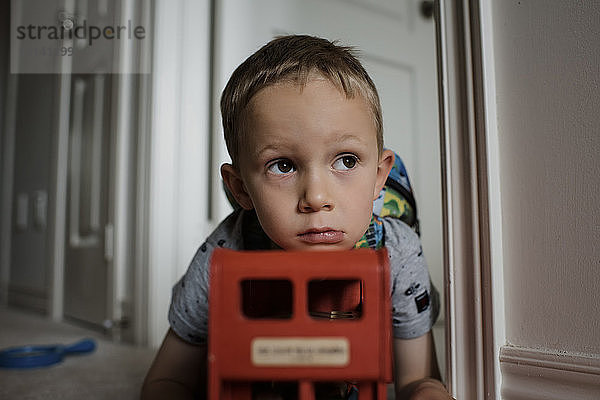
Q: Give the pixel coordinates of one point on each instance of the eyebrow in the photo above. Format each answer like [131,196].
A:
[338,137]
[349,137]
[270,147]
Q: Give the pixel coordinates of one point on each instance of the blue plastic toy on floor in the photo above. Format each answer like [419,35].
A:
[42,356]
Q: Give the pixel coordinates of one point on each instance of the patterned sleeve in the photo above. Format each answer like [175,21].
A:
[188,313]
[415,301]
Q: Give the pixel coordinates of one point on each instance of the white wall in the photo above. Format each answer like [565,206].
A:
[179,178]
[548,75]
[547,62]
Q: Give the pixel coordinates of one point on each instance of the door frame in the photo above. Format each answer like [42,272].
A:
[174,158]
[471,209]
[7,169]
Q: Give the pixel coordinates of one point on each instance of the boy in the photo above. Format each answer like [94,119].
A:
[303,127]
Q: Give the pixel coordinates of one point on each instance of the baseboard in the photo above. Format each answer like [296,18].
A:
[27,298]
[529,374]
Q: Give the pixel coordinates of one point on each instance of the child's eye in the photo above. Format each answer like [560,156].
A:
[281,167]
[345,163]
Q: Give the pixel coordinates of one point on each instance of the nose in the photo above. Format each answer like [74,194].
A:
[316,194]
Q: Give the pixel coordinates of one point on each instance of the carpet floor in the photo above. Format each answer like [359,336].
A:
[112,371]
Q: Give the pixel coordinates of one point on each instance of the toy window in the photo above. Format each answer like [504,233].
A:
[267,298]
[275,390]
[335,298]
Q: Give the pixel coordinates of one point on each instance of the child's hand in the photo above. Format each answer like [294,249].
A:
[427,389]
[416,370]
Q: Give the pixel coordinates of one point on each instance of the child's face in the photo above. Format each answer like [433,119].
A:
[309,165]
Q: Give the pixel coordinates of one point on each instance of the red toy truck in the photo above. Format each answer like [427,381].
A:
[299,319]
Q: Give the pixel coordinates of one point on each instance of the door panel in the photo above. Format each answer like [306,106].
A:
[29,277]
[88,241]
[400,125]
[86,268]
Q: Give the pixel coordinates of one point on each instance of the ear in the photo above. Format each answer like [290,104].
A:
[386,162]
[235,184]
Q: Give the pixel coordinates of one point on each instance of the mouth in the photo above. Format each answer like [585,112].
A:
[321,236]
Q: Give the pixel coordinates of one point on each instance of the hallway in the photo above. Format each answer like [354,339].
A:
[112,371]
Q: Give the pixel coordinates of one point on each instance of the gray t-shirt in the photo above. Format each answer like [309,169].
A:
[415,302]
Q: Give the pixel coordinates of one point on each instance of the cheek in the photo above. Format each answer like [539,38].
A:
[365,193]
[366,214]
[363,205]
[272,207]
[272,200]
[360,210]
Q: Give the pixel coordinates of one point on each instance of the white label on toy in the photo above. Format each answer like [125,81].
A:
[300,351]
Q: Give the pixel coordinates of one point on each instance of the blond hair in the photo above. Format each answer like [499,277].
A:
[294,58]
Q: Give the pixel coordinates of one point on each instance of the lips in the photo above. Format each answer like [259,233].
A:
[322,236]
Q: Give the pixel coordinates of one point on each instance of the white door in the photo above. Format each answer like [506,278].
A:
[82,174]
[45,98]
[86,263]
[88,241]
[396,41]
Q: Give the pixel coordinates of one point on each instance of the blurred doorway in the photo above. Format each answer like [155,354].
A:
[69,182]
